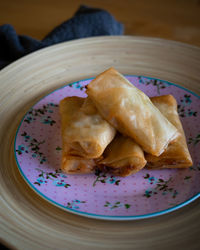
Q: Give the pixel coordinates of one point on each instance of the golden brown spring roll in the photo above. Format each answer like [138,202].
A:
[85,134]
[177,154]
[131,112]
[77,165]
[122,157]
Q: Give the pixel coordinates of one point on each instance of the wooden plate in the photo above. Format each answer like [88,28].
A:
[28,221]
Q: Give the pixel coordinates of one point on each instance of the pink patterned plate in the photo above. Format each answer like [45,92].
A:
[146,194]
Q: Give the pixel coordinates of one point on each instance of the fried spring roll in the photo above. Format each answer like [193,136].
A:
[177,154]
[85,134]
[131,112]
[122,157]
[77,165]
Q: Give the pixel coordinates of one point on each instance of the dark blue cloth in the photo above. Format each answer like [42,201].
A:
[86,22]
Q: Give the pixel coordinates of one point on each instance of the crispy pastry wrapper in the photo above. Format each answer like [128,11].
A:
[85,134]
[131,112]
[177,154]
[77,165]
[122,157]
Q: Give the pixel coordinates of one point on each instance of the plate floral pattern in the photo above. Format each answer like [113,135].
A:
[148,193]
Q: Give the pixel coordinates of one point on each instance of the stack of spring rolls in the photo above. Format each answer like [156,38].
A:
[119,129]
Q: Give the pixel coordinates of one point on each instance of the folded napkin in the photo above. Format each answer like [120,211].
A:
[86,22]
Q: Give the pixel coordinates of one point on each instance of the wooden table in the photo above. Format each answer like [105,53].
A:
[172,19]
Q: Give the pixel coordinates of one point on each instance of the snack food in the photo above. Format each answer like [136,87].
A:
[77,165]
[122,157]
[177,154]
[131,112]
[115,124]
[85,134]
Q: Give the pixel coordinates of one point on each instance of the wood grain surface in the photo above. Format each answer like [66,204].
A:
[172,19]
[30,222]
